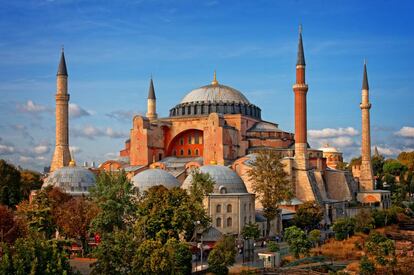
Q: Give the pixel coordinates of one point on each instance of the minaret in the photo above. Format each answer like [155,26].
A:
[300,88]
[366,179]
[151,102]
[61,156]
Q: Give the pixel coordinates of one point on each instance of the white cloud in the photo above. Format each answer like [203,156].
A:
[406,131]
[31,107]
[6,149]
[75,149]
[75,111]
[114,134]
[92,132]
[331,132]
[122,115]
[41,149]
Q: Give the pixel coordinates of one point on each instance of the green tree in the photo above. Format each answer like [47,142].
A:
[364,221]
[273,246]
[298,241]
[308,216]
[222,256]
[10,193]
[342,166]
[366,266]
[381,248]
[394,167]
[30,180]
[377,165]
[34,256]
[407,159]
[251,231]
[315,236]
[344,228]
[201,185]
[116,200]
[270,183]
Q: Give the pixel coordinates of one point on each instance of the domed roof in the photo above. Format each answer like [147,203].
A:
[215,93]
[226,180]
[153,177]
[72,179]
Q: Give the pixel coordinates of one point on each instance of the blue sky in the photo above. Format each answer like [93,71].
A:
[112,48]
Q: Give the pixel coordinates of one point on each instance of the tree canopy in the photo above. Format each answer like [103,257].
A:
[308,216]
[222,256]
[10,194]
[298,241]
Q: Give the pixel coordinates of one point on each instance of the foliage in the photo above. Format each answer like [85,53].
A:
[315,236]
[298,241]
[273,246]
[386,217]
[366,266]
[164,214]
[74,218]
[10,194]
[251,231]
[30,180]
[34,256]
[342,166]
[222,256]
[270,183]
[344,228]
[380,247]
[407,159]
[10,228]
[394,167]
[308,216]
[201,185]
[116,200]
[355,161]
[364,221]
[377,165]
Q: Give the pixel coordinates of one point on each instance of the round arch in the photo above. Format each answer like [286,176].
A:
[188,143]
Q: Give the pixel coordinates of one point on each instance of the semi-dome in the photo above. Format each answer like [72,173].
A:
[215,98]
[226,180]
[153,177]
[72,179]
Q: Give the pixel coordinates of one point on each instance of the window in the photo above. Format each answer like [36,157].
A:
[181,141]
[218,222]
[189,152]
[196,141]
[245,207]
[182,152]
[229,222]
[245,219]
[189,139]
[218,208]
[223,190]
[196,152]
[229,208]
[159,156]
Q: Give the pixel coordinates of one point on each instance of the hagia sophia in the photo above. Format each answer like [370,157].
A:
[219,131]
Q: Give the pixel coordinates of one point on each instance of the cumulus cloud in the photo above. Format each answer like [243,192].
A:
[92,132]
[332,132]
[76,111]
[406,132]
[75,149]
[41,149]
[122,115]
[31,107]
[6,149]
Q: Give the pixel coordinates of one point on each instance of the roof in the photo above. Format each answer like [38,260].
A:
[294,201]
[301,54]
[153,177]
[73,180]
[365,85]
[211,234]
[226,180]
[215,93]
[151,91]
[62,70]
[264,126]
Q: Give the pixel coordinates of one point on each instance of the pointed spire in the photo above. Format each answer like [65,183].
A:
[214,82]
[376,153]
[62,65]
[151,90]
[365,85]
[301,54]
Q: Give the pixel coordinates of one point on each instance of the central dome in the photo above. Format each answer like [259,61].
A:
[215,93]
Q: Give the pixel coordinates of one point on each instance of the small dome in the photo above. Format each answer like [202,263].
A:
[73,180]
[227,181]
[215,93]
[153,177]
[329,149]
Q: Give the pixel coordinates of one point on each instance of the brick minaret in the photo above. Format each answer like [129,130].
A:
[300,88]
[151,102]
[61,156]
[366,179]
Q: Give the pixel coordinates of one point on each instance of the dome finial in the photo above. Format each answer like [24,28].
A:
[72,162]
[214,82]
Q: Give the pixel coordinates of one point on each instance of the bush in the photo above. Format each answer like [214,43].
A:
[344,228]
[364,221]
[273,246]
[366,266]
[298,241]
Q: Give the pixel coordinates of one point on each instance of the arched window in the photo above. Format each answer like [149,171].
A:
[196,152]
[229,222]
[245,207]
[196,138]
[182,141]
[229,208]
[218,208]
[182,152]
[189,152]
[189,139]
[218,222]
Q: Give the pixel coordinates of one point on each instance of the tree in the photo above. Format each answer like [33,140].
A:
[377,165]
[364,221]
[407,159]
[74,218]
[222,256]
[34,256]
[30,180]
[308,216]
[298,241]
[315,236]
[9,184]
[381,248]
[394,167]
[273,246]
[270,183]
[355,161]
[201,185]
[251,231]
[366,266]
[344,228]
[116,200]
[9,227]
[342,166]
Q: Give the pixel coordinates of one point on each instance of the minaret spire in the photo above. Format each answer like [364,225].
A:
[151,102]
[62,70]
[300,88]
[366,179]
[214,82]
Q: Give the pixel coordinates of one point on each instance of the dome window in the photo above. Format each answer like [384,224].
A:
[223,190]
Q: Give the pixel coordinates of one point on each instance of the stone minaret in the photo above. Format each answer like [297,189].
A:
[151,102]
[61,156]
[300,88]
[366,179]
